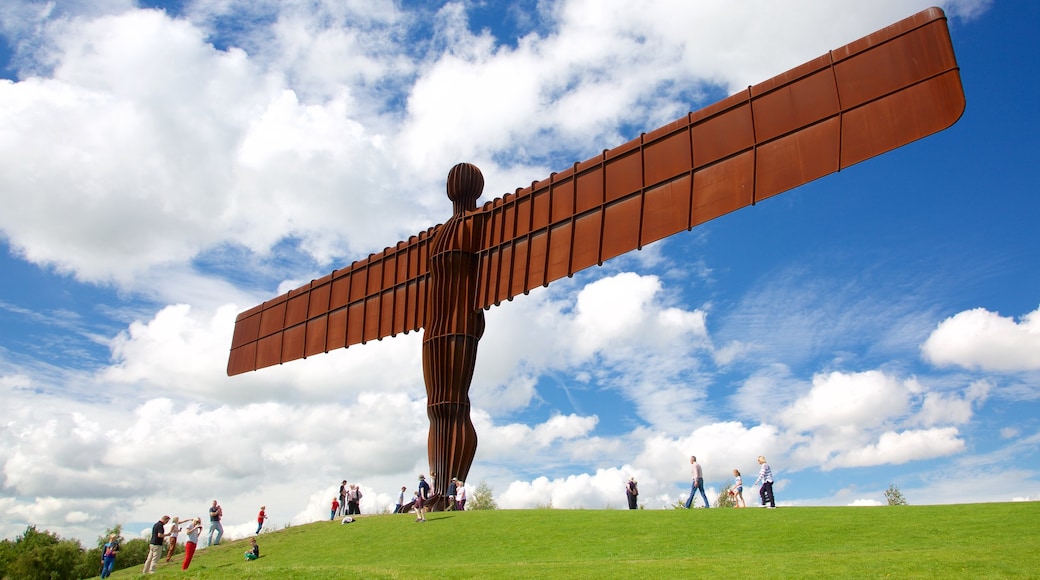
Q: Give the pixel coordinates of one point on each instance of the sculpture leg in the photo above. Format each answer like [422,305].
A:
[448,363]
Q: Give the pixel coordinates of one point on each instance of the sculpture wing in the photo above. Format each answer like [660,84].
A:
[878,93]
[382,295]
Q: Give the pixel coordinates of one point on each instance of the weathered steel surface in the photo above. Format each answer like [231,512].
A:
[878,93]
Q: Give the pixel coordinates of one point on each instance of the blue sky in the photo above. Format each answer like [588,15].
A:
[167,165]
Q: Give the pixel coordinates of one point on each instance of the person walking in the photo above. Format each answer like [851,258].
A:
[334,511]
[194,531]
[698,483]
[108,555]
[420,510]
[737,491]
[155,545]
[215,513]
[260,517]
[632,492]
[765,476]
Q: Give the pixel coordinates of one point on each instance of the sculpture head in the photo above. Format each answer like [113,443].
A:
[465,184]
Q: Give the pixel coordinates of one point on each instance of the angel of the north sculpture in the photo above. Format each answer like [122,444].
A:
[885,90]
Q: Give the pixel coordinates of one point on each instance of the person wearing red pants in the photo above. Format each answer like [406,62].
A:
[194,530]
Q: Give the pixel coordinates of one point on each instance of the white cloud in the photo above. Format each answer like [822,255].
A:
[897,448]
[980,339]
[860,399]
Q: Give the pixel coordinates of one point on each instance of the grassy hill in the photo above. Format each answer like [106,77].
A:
[961,541]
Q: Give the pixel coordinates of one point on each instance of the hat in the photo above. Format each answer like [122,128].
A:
[422,477]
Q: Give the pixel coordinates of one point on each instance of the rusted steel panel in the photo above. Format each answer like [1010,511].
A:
[562,198]
[723,187]
[272,319]
[722,135]
[797,158]
[296,307]
[795,105]
[668,157]
[337,330]
[355,323]
[559,251]
[242,359]
[621,227]
[624,174]
[293,342]
[340,292]
[897,119]
[589,190]
[247,328]
[269,350]
[666,210]
[317,329]
[521,266]
[585,244]
[538,258]
[321,290]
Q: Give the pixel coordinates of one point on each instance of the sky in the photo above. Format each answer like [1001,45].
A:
[166,165]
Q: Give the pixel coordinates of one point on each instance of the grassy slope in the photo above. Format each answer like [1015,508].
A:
[977,541]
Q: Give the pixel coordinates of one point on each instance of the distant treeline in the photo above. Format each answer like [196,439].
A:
[45,556]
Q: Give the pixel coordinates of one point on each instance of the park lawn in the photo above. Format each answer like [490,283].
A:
[997,540]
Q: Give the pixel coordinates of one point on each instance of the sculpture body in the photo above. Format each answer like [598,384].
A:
[873,95]
[453,329]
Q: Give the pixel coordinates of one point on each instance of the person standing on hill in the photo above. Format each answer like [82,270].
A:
[400,501]
[460,494]
[632,492]
[342,499]
[453,488]
[698,483]
[175,530]
[215,513]
[194,531]
[155,545]
[335,508]
[765,476]
[424,488]
[354,500]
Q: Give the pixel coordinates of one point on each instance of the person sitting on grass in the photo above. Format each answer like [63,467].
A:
[254,551]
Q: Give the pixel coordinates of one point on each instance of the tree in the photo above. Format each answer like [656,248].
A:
[42,555]
[895,497]
[482,498]
[725,499]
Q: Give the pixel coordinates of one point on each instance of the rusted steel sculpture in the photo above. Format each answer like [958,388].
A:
[880,92]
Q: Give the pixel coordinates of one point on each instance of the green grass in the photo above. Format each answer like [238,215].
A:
[962,541]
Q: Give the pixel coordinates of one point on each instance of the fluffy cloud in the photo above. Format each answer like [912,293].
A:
[980,339]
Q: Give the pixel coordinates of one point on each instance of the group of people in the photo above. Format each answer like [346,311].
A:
[736,491]
[348,503]
[193,529]
[455,495]
[161,535]
[765,479]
